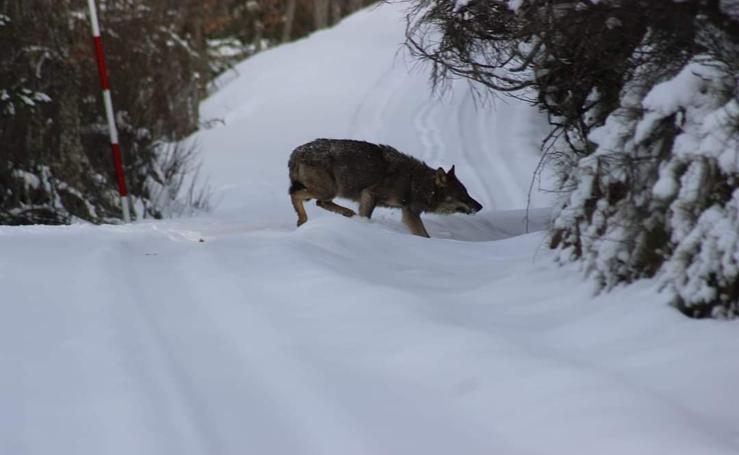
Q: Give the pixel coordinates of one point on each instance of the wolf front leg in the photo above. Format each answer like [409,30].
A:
[367,203]
[412,219]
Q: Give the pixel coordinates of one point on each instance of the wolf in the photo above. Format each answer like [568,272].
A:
[373,175]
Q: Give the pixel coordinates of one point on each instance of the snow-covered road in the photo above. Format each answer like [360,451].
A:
[346,336]
[144,340]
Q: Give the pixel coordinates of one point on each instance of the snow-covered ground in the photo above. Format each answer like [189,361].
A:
[357,82]
[236,333]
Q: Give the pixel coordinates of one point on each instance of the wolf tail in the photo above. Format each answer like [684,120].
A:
[295,186]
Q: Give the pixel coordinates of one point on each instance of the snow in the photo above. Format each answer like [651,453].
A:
[685,89]
[235,332]
[356,82]
[703,226]
[515,5]
[666,186]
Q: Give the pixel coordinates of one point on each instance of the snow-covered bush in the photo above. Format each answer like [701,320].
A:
[642,98]
[660,193]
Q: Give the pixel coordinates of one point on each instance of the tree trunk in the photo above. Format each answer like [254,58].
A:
[355,5]
[320,13]
[289,18]
[336,11]
[259,36]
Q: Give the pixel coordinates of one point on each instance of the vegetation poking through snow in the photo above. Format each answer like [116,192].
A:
[55,164]
[161,55]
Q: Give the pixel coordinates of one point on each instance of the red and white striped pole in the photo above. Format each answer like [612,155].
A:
[105,84]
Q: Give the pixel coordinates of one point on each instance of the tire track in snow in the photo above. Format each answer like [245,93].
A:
[496,171]
[160,375]
[432,144]
[209,367]
[460,109]
[507,173]
[493,173]
[477,146]
[375,105]
[293,408]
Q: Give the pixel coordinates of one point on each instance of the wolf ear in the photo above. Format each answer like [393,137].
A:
[451,171]
[440,177]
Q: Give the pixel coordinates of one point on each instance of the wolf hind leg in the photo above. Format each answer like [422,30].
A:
[313,182]
[298,197]
[336,208]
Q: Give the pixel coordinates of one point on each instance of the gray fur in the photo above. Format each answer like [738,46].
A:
[373,175]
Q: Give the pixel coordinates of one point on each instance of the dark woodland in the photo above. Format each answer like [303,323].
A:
[55,160]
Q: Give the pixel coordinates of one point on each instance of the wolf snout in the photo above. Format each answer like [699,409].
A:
[469,208]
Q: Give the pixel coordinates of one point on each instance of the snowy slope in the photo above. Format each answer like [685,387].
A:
[345,336]
[357,82]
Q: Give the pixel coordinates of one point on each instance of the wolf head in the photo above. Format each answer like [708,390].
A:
[451,195]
